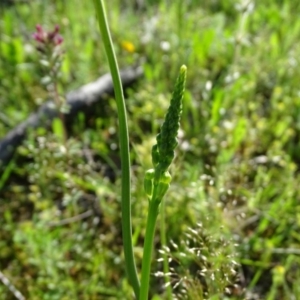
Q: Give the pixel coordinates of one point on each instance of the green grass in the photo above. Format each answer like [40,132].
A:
[236,170]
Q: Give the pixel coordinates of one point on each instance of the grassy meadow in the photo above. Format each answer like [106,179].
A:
[232,213]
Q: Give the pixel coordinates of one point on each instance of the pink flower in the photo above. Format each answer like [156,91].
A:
[47,37]
[40,35]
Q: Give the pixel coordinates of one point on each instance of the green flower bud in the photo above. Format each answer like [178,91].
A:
[163,185]
[148,182]
[165,177]
[155,155]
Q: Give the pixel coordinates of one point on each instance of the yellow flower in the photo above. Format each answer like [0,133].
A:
[128,46]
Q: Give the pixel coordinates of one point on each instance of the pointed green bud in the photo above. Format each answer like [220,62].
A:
[167,138]
[148,182]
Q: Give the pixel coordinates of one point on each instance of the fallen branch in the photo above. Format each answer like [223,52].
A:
[78,100]
[11,287]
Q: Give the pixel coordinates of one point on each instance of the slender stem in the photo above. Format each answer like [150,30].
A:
[124,148]
[148,245]
[163,239]
[61,116]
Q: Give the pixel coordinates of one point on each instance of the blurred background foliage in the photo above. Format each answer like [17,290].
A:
[233,210]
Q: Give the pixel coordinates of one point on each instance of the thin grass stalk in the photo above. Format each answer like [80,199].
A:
[124,148]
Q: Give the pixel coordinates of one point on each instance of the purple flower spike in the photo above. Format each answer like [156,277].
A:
[47,37]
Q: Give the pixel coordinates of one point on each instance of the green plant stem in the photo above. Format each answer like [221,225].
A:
[124,148]
[148,245]
[163,239]
[61,116]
